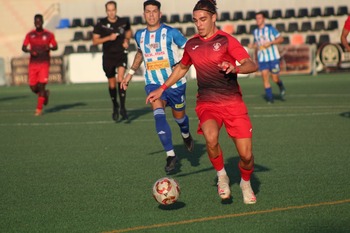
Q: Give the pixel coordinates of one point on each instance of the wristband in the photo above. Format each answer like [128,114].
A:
[237,69]
[131,72]
[164,87]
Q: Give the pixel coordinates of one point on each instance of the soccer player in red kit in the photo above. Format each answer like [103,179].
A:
[38,43]
[219,99]
[345,33]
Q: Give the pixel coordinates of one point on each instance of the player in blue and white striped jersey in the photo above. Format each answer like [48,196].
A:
[158,49]
[266,38]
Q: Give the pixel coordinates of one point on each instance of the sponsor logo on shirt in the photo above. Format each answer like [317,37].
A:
[216,46]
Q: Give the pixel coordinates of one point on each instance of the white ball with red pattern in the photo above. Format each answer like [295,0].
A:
[166,191]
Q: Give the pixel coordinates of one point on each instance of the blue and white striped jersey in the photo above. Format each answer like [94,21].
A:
[263,35]
[160,52]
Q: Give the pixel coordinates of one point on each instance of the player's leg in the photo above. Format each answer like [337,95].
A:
[109,70]
[122,92]
[276,78]
[209,126]
[163,129]
[265,73]
[41,74]
[176,99]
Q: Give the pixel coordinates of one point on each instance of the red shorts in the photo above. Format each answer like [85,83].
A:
[38,73]
[234,115]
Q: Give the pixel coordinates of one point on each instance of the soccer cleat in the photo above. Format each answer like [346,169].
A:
[247,191]
[115,114]
[170,164]
[224,187]
[282,93]
[38,112]
[124,114]
[189,143]
[47,94]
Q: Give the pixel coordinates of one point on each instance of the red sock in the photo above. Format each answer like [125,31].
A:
[245,174]
[218,162]
[41,100]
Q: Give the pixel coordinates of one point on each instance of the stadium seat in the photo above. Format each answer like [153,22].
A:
[281,27]
[190,31]
[293,27]
[164,19]
[225,16]
[323,39]
[88,35]
[132,47]
[332,25]
[175,18]
[76,22]
[303,12]
[64,23]
[99,19]
[81,48]
[78,35]
[237,15]
[252,27]
[88,22]
[342,10]
[245,41]
[289,13]
[266,13]
[276,14]
[250,15]
[297,39]
[306,26]
[319,26]
[286,40]
[310,39]
[328,11]
[94,49]
[315,11]
[240,29]
[137,20]
[187,18]
[68,49]
[228,28]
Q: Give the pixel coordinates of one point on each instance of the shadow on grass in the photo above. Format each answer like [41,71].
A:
[63,107]
[134,114]
[345,114]
[13,97]
[175,206]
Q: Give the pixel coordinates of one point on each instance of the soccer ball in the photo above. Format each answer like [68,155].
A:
[166,191]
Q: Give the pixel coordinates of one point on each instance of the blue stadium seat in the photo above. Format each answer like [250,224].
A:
[64,23]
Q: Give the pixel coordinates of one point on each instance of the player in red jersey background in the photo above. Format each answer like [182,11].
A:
[38,43]
[219,100]
[345,33]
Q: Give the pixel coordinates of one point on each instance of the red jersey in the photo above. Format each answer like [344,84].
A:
[40,42]
[347,23]
[205,54]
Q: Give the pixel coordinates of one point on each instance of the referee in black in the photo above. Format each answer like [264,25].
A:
[114,33]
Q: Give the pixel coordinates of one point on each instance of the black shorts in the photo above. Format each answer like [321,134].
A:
[110,65]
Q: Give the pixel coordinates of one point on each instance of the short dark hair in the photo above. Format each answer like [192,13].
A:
[206,5]
[151,2]
[40,16]
[261,13]
[111,2]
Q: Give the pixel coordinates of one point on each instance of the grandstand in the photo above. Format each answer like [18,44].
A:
[72,20]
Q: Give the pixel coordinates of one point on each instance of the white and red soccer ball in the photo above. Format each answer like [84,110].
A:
[166,191]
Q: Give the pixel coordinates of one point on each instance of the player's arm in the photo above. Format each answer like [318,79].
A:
[179,72]
[97,39]
[128,35]
[343,39]
[135,65]
[247,66]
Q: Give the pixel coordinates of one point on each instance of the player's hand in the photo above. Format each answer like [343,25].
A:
[154,95]
[125,82]
[113,36]
[227,67]
[267,44]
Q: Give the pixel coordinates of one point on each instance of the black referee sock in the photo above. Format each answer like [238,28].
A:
[113,95]
[122,96]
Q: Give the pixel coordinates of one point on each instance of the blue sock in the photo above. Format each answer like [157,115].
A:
[163,129]
[269,96]
[183,124]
